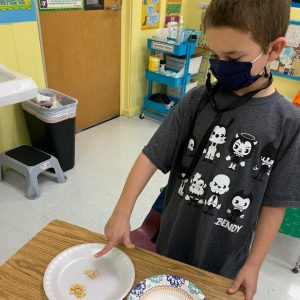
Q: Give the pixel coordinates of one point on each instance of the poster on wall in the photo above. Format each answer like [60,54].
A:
[6,5]
[14,11]
[288,62]
[173,11]
[151,14]
[45,5]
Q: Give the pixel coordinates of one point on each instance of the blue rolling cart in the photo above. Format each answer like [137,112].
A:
[157,110]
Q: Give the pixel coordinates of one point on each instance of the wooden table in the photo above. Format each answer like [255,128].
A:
[21,277]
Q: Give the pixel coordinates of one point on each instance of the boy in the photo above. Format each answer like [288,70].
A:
[232,149]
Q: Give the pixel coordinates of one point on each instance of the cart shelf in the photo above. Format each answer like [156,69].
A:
[167,80]
[171,48]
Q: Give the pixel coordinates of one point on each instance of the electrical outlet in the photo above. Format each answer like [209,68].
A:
[202,5]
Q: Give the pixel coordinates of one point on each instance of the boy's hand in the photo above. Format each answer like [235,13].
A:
[246,278]
[117,230]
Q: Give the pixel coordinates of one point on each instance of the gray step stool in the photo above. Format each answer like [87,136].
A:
[30,162]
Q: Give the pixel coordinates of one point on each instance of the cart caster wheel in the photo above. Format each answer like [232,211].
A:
[295,270]
[142,116]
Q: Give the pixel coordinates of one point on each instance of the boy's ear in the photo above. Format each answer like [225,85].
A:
[276,48]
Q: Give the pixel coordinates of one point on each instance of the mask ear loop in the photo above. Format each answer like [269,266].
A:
[266,73]
[257,58]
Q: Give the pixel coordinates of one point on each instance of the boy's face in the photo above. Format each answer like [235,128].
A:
[227,43]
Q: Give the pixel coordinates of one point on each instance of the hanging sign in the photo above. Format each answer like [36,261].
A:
[6,5]
[45,5]
[151,14]
[14,11]
[173,11]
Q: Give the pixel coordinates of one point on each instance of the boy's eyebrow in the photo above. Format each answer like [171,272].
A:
[228,52]
[234,52]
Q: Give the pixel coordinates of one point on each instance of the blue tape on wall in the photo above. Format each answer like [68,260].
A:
[18,15]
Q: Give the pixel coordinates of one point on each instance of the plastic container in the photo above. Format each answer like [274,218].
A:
[53,130]
[154,63]
[177,63]
[180,30]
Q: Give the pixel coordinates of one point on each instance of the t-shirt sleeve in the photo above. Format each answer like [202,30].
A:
[283,189]
[162,146]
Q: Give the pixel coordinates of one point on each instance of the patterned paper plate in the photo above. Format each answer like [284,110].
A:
[166,287]
[71,267]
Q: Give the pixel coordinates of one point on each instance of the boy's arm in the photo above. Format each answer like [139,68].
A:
[267,227]
[117,229]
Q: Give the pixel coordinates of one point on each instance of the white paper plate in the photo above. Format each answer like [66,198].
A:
[115,279]
[166,287]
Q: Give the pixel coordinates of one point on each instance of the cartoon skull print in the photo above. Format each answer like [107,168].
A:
[218,186]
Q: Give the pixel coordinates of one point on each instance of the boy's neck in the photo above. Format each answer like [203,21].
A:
[259,84]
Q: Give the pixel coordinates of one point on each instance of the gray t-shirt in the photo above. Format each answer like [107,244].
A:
[252,159]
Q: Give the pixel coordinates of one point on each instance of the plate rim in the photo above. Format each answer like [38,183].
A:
[165,275]
[47,270]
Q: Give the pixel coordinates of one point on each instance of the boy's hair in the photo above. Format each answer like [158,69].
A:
[266,20]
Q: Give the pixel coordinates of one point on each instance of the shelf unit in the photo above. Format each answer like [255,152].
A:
[158,110]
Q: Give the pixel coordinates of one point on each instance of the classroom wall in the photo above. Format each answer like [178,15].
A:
[192,13]
[20,51]
[135,56]
[134,59]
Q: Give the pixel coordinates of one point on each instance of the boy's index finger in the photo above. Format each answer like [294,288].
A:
[106,249]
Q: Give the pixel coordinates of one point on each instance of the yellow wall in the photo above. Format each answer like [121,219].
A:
[134,57]
[192,14]
[20,51]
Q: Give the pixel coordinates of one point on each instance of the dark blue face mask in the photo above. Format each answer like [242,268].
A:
[234,75]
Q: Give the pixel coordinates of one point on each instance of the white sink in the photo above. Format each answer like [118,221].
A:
[15,87]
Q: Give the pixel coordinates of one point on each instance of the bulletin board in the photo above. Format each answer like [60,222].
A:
[151,14]
[173,11]
[288,64]
[13,11]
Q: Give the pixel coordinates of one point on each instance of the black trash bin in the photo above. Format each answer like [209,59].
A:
[53,129]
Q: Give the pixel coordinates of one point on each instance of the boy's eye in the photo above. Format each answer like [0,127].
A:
[214,56]
[234,58]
